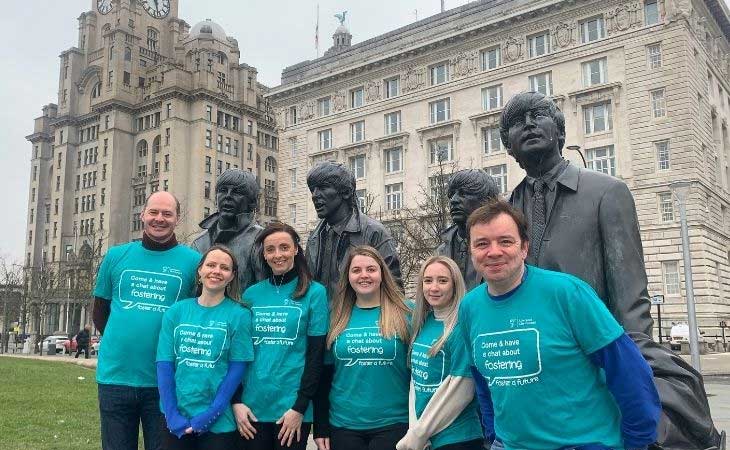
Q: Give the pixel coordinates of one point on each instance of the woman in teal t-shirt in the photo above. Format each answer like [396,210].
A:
[202,352]
[442,405]
[367,343]
[289,329]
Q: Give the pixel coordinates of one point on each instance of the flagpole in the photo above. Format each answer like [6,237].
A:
[316,33]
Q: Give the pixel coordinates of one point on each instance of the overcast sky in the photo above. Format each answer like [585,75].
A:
[271,35]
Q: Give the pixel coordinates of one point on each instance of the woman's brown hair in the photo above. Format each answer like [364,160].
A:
[233,289]
[300,261]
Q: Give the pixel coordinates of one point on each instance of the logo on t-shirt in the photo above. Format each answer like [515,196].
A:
[197,346]
[428,371]
[364,346]
[509,358]
[148,291]
[278,325]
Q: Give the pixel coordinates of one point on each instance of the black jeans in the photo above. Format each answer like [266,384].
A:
[383,438]
[205,441]
[267,437]
[476,444]
[121,409]
[85,349]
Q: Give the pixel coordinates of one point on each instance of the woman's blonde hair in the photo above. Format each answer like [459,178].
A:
[423,307]
[393,320]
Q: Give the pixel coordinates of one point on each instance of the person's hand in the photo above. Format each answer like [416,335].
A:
[244,417]
[189,430]
[291,425]
[322,443]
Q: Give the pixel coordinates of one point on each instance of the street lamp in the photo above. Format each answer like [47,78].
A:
[680,191]
[576,148]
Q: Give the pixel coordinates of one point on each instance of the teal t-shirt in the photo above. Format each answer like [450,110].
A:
[280,329]
[371,379]
[201,341]
[532,348]
[428,372]
[142,284]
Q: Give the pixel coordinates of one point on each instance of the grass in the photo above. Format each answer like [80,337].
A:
[47,405]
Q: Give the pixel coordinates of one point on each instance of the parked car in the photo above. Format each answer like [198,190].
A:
[95,345]
[679,334]
[55,339]
[70,345]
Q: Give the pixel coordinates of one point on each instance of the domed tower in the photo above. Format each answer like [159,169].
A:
[342,39]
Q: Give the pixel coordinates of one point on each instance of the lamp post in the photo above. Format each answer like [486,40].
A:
[680,191]
[576,148]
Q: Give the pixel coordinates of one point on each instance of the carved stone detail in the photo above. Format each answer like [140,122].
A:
[372,91]
[306,110]
[623,18]
[464,64]
[280,118]
[679,9]
[414,78]
[512,49]
[563,34]
[339,101]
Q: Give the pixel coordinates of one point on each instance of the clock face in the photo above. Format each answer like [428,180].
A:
[156,8]
[104,6]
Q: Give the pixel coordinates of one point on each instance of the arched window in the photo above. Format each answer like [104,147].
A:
[111,53]
[96,90]
[142,148]
[152,39]
[270,164]
[222,58]
[127,54]
[156,144]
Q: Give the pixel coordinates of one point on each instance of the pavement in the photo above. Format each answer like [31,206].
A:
[715,369]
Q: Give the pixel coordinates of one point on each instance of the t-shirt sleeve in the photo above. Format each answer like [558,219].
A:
[593,325]
[319,311]
[103,287]
[166,340]
[459,353]
[241,341]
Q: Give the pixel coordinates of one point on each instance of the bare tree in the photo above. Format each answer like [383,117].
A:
[11,286]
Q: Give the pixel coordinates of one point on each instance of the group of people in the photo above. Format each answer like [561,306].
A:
[256,344]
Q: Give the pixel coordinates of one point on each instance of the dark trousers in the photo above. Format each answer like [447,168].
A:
[476,444]
[205,441]
[122,409]
[82,348]
[267,437]
[383,438]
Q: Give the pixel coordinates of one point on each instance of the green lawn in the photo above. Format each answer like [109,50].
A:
[46,406]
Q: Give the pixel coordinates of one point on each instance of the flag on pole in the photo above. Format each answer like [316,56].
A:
[316,33]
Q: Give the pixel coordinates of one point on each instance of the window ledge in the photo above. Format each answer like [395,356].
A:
[596,93]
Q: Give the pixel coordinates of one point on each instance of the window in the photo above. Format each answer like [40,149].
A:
[96,90]
[208,138]
[249,127]
[492,97]
[55,207]
[361,195]
[325,139]
[110,78]
[662,155]
[323,106]
[440,110]
[235,147]
[438,187]
[167,163]
[439,74]
[492,141]
[206,189]
[670,275]
[292,179]
[594,72]
[393,160]
[249,151]
[601,159]
[102,197]
[499,173]
[597,118]
[152,39]
[391,87]
[357,131]
[58,183]
[538,45]
[542,83]
[60,137]
[357,165]
[393,196]
[491,58]
[292,117]
[592,30]
[167,136]
[356,97]
[219,167]
[126,78]
[270,164]
[654,56]
[169,111]
[651,12]
[293,213]
[392,122]
[207,164]
[440,150]
[658,104]
[666,207]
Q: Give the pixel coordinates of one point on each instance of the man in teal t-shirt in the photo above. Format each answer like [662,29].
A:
[137,282]
[201,341]
[281,326]
[428,372]
[560,370]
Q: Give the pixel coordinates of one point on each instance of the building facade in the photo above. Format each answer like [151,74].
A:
[644,86]
[145,103]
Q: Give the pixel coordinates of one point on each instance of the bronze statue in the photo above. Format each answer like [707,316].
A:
[342,227]
[468,190]
[236,195]
[584,223]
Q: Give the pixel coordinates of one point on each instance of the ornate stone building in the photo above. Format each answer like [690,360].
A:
[145,102]
[644,86]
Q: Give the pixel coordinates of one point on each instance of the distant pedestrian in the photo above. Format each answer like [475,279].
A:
[82,342]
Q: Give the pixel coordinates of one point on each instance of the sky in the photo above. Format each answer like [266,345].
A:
[271,35]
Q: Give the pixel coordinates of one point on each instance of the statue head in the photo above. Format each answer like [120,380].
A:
[468,190]
[236,192]
[333,190]
[532,129]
